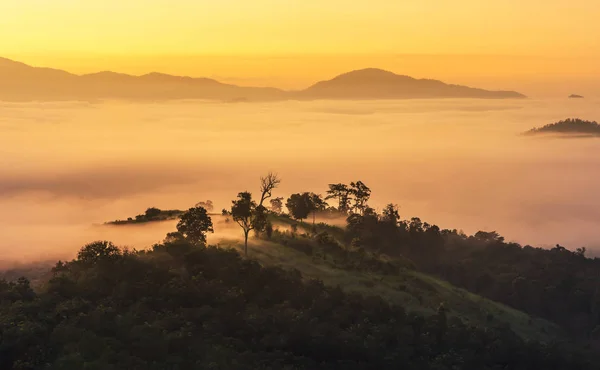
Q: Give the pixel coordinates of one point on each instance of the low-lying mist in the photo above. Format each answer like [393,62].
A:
[67,168]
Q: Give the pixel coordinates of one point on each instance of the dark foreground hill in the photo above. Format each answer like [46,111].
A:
[21,82]
[181,306]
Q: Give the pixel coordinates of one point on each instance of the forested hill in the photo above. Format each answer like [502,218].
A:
[362,301]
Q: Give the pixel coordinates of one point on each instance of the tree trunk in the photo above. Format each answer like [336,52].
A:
[246,243]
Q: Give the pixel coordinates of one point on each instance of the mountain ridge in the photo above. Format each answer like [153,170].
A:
[22,82]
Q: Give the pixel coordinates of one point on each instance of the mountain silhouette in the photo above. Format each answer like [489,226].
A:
[21,82]
[372,83]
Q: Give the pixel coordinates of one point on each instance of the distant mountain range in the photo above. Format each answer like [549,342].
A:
[21,82]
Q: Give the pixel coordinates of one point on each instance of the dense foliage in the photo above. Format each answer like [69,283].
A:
[183,306]
[556,284]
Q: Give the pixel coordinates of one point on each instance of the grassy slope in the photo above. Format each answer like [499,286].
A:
[413,290]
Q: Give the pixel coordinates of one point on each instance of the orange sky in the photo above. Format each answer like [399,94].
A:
[290,44]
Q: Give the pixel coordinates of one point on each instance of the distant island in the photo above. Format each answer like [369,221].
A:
[570,126]
[21,82]
[575,96]
[151,215]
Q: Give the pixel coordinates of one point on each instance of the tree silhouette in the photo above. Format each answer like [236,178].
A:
[299,205]
[267,185]
[342,193]
[208,205]
[152,213]
[317,204]
[194,225]
[361,194]
[276,205]
[243,212]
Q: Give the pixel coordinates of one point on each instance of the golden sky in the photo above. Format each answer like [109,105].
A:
[293,42]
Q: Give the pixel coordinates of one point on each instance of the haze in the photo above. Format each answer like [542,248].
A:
[457,163]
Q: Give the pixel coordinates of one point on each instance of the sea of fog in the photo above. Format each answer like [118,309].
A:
[67,167]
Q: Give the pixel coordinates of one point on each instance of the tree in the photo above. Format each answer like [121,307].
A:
[491,236]
[299,205]
[317,204]
[98,251]
[242,212]
[342,193]
[390,215]
[361,194]
[276,205]
[152,213]
[208,205]
[249,215]
[194,225]
[267,185]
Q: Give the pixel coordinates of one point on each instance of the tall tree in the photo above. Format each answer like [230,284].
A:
[361,194]
[342,193]
[390,215]
[242,211]
[250,215]
[318,204]
[267,185]
[194,225]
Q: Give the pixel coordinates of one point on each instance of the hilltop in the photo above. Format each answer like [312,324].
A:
[372,83]
[21,82]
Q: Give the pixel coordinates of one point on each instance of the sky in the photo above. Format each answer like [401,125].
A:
[292,43]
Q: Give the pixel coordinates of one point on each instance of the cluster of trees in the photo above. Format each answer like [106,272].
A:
[555,284]
[569,125]
[181,305]
[151,214]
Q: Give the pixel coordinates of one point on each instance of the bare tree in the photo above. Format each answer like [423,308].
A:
[267,184]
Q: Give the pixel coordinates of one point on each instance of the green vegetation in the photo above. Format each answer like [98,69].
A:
[395,281]
[379,293]
[569,126]
[184,306]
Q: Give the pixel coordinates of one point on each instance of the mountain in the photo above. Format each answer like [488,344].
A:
[21,82]
[372,83]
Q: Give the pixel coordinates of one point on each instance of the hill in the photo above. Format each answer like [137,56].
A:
[374,83]
[21,82]
[185,306]
[569,127]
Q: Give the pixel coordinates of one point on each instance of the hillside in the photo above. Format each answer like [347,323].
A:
[416,291]
[21,82]
[184,306]
[374,83]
